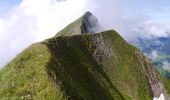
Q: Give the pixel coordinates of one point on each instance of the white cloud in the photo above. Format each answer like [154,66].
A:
[153,55]
[166,65]
[50,15]
[32,21]
[154,30]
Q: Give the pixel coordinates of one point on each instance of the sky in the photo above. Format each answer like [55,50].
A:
[23,22]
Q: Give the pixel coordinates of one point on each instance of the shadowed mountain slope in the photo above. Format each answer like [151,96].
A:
[75,66]
[88,23]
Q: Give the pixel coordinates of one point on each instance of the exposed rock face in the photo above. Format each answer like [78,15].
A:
[76,65]
[102,50]
[88,23]
[155,82]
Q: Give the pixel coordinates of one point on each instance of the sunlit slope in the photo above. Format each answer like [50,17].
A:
[94,66]
[26,76]
[104,59]
[86,24]
[98,66]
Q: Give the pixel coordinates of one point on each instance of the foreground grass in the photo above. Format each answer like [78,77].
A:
[26,78]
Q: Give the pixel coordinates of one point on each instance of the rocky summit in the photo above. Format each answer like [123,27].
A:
[82,63]
[86,24]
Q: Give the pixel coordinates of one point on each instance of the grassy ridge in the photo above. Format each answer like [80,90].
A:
[121,77]
[91,67]
[25,77]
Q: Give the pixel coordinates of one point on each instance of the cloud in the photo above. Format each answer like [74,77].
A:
[166,65]
[32,21]
[154,30]
[35,20]
[153,55]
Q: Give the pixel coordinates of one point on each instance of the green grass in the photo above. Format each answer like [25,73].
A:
[75,68]
[120,77]
[124,68]
[166,84]
[81,76]
[25,77]
[72,29]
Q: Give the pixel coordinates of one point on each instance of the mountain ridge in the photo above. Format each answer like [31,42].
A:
[87,23]
[82,66]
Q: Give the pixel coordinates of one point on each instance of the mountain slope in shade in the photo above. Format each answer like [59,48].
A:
[88,23]
[75,65]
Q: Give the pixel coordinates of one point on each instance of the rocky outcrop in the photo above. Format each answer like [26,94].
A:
[155,81]
[102,51]
[88,23]
[110,52]
[76,65]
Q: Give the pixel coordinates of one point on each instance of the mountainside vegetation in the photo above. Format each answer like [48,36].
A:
[98,66]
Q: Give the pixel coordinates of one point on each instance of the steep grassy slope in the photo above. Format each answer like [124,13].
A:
[101,66]
[87,23]
[85,63]
[26,78]
[93,67]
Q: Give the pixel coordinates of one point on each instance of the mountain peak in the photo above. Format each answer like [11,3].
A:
[88,14]
[90,23]
[86,24]
[101,66]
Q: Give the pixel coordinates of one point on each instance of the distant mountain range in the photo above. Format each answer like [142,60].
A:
[158,50]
